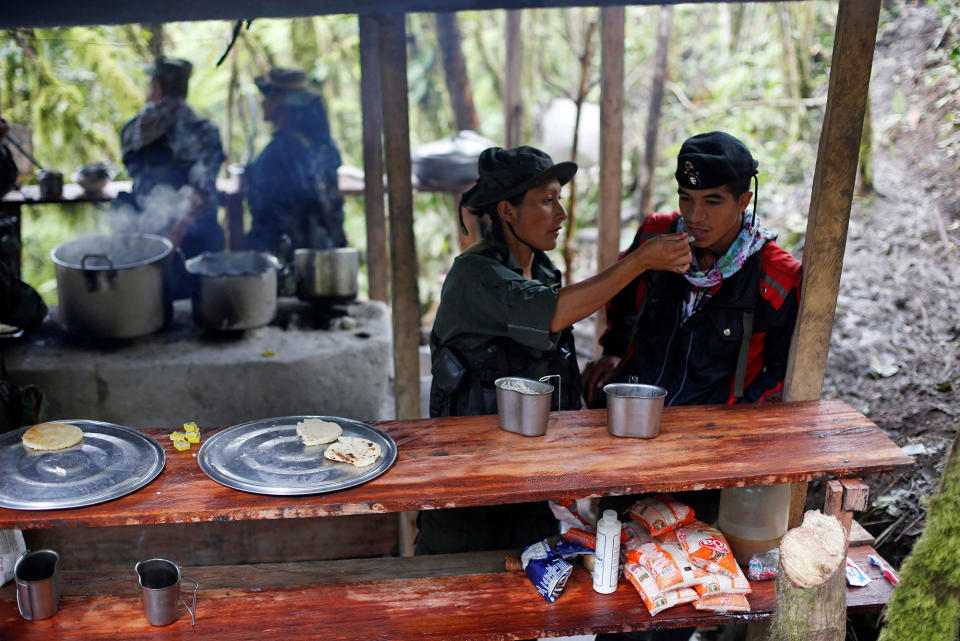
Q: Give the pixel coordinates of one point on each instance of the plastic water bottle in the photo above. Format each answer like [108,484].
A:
[607,568]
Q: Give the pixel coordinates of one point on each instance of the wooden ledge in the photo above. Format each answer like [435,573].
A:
[450,597]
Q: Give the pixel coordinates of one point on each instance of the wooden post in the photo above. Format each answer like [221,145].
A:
[403,251]
[513,66]
[832,196]
[811,582]
[611,143]
[830,201]
[377,272]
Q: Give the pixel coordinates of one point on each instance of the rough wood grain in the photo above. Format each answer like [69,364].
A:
[470,461]
[256,605]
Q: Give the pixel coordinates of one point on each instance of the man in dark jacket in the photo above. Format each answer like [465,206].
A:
[292,186]
[720,332]
[20,307]
[173,156]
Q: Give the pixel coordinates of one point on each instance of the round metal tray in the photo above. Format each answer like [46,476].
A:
[111,461]
[268,457]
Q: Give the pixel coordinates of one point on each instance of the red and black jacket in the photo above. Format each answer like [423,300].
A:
[749,319]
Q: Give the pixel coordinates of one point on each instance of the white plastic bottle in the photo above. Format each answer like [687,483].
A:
[607,569]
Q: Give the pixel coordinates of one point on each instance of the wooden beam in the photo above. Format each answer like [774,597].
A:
[55,13]
[611,142]
[370,103]
[832,196]
[403,251]
[513,67]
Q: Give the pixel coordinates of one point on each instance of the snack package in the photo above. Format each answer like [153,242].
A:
[660,513]
[546,569]
[723,584]
[723,603]
[566,511]
[707,548]
[667,564]
[582,537]
[855,575]
[655,600]
[763,566]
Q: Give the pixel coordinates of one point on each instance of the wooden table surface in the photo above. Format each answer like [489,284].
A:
[470,461]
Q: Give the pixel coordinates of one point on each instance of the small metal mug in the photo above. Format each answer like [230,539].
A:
[38,588]
[51,184]
[525,413]
[160,590]
[633,409]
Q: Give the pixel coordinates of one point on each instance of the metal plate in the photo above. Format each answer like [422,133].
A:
[110,462]
[268,457]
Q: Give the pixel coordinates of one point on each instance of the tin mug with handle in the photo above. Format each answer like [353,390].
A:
[160,590]
[38,588]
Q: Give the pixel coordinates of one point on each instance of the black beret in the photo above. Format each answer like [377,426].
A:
[713,159]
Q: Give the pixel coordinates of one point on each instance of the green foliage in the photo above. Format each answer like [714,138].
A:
[75,87]
[926,604]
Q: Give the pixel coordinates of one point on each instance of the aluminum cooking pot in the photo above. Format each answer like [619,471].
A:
[236,290]
[329,274]
[112,286]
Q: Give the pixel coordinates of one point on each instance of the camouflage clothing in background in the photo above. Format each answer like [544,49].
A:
[20,306]
[169,146]
[292,189]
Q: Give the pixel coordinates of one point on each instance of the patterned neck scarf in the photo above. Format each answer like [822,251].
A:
[748,242]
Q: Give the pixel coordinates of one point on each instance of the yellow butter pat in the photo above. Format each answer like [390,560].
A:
[191,427]
[181,444]
[193,437]
[177,436]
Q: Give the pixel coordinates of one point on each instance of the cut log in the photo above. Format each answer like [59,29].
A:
[811,588]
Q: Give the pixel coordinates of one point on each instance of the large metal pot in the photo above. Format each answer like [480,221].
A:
[327,274]
[112,286]
[236,290]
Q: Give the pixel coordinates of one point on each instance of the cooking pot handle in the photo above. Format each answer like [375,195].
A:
[90,276]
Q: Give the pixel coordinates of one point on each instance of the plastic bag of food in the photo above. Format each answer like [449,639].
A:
[566,511]
[660,513]
[667,564]
[655,600]
[723,584]
[763,566]
[723,603]
[707,548]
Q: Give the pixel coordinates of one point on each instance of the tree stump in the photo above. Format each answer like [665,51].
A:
[811,584]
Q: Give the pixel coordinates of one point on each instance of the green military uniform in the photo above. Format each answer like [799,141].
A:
[492,322]
[22,307]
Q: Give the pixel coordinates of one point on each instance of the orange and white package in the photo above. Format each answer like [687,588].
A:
[589,539]
[655,600]
[670,569]
[566,511]
[660,513]
[723,603]
[669,537]
[706,547]
[723,584]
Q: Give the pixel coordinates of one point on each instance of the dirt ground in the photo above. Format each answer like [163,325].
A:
[895,348]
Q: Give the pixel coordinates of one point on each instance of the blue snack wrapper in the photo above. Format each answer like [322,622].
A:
[546,569]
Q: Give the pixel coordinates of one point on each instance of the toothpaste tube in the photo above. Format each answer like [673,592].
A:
[546,570]
[577,535]
[885,569]
[855,575]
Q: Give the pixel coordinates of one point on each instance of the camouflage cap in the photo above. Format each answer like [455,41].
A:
[170,70]
[287,86]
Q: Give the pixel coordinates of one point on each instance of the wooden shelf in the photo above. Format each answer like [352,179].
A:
[461,596]
[470,461]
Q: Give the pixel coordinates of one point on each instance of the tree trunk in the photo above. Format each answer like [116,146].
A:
[455,72]
[664,26]
[580,97]
[513,67]
[926,603]
[811,582]
[156,39]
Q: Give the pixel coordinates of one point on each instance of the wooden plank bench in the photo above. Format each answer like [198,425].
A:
[459,596]
[449,463]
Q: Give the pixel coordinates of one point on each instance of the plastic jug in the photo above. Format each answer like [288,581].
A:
[754,518]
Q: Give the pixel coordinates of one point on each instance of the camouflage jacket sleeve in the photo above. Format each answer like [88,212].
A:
[196,144]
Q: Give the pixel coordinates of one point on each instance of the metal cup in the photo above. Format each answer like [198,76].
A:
[38,588]
[160,590]
[51,184]
[523,412]
[633,409]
